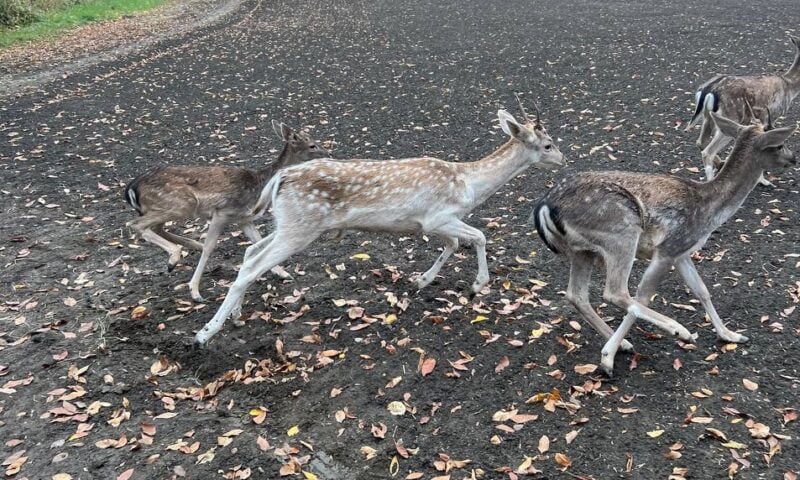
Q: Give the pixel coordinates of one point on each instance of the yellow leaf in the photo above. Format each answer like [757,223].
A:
[478,319]
[293,431]
[733,444]
[537,332]
[655,433]
[62,476]
[394,466]
[255,412]
[390,319]
[309,475]
[750,385]
[360,256]
[396,408]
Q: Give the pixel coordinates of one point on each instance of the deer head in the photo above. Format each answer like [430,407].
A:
[768,145]
[541,151]
[298,147]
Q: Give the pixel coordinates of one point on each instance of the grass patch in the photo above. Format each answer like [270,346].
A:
[52,22]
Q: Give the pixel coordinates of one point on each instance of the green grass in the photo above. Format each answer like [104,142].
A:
[59,20]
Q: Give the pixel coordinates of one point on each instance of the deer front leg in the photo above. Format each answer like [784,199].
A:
[451,245]
[689,273]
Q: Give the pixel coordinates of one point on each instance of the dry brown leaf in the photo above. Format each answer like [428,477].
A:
[427,366]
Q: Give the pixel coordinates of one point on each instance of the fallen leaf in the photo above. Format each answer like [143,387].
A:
[750,385]
[427,366]
[502,364]
[585,369]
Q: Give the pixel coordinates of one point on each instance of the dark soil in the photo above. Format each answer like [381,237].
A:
[388,79]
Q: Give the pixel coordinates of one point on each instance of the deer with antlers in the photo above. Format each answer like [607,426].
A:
[728,96]
[397,196]
[611,218]
[223,195]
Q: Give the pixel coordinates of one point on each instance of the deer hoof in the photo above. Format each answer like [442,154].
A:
[626,346]
[197,297]
[733,337]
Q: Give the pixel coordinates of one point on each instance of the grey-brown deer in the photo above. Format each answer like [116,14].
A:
[729,96]
[611,218]
[397,196]
[223,195]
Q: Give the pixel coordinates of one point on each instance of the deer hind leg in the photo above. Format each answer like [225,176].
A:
[652,277]
[470,235]
[186,242]
[251,232]
[450,246]
[215,227]
[618,271]
[279,246]
[705,131]
[148,226]
[710,154]
[695,283]
[580,275]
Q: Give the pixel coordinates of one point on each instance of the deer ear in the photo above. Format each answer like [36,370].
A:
[726,125]
[509,125]
[773,138]
[286,132]
[795,40]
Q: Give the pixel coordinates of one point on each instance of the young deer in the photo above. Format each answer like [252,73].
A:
[397,196]
[224,195]
[613,217]
[727,95]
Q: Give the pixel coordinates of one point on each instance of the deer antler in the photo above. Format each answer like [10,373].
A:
[752,113]
[538,115]
[524,113]
[769,120]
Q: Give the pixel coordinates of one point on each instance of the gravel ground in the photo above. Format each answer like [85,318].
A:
[93,388]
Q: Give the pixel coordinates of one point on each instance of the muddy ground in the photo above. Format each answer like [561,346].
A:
[91,390]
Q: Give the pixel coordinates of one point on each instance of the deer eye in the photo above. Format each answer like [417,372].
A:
[548,147]
[312,147]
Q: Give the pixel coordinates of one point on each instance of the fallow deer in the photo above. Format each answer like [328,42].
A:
[728,96]
[611,218]
[223,195]
[397,196]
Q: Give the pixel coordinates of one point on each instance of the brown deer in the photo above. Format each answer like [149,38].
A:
[223,195]
[611,218]
[397,196]
[728,96]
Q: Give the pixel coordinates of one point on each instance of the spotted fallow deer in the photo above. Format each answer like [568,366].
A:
[729,96]
[611,218]
[397,196]
[223,195]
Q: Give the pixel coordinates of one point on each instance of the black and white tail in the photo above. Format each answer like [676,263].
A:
[548,224]
[131,192]
[705,101]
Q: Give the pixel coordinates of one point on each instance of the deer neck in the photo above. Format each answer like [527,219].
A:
[267,171]
[487,175]
[792,77]
[730,188]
